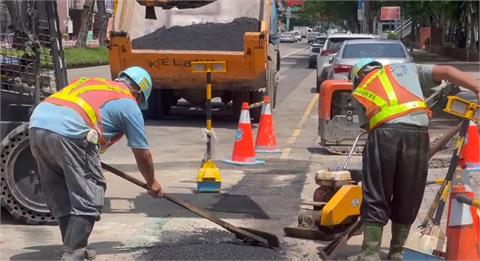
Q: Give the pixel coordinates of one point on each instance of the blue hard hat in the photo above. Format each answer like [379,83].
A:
[143,81]
[360,65]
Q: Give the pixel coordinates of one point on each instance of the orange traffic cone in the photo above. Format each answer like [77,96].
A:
[266,141]
[471,149]
[243,152]
[463,231]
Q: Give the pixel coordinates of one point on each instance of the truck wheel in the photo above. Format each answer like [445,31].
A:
[239,97]
[255,113]
[20,191]
[160,103]
[167,101]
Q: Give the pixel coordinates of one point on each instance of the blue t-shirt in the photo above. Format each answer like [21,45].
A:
[118,116]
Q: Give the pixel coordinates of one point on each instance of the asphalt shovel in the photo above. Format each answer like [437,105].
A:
[249,236]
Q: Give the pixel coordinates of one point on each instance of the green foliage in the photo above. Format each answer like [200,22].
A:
[82,57]
[392,35]
[332,12]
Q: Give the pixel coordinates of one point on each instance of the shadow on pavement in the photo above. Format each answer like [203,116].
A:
[221,205]
[350,250]
[186,115]
[54,252]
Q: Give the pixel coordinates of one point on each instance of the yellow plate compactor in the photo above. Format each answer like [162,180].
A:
[335,206]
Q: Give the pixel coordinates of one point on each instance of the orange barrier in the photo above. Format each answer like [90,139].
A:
[266,141]
[470,157]
[243,151]
[463,231]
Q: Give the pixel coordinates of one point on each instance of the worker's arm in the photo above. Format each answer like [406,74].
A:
[145,165]
[128,118]
[455,76]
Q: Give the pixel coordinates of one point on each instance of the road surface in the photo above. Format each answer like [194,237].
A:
[135,226]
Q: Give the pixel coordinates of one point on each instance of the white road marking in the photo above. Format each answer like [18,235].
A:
[296,132]
[294,52]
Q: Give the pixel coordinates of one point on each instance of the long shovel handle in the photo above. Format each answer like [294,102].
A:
[235,230]
[436,206]
[438,145]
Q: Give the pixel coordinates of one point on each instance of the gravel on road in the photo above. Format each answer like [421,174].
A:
[208,36]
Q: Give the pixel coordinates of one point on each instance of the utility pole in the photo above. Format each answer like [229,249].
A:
[360,14]
[289,14]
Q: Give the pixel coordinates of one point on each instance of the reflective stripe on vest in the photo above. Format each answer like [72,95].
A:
[387,110]
[71,96]
[89,111]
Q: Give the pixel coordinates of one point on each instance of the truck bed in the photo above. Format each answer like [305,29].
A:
[171,69]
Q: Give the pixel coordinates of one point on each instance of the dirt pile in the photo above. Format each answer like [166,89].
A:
[208,36]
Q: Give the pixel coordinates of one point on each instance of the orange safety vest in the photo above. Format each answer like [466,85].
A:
[86,97]
[385,99]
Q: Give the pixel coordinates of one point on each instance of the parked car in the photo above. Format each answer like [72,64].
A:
[384,51]
[287,37]
[311,36]
[330,48]
[297,35]
[312,55]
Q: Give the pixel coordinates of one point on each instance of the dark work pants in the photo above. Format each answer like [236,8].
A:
[395,168]
[70,174]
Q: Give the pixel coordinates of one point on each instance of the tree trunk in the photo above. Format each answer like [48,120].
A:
[103,21]
[412,35]
[86,23]
[367,19]
[473,23]
[467,27]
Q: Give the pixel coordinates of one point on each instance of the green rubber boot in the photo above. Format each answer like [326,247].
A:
[372,238]
[399,236]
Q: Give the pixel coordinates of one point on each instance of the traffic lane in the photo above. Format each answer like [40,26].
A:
[293,68]
[250,195]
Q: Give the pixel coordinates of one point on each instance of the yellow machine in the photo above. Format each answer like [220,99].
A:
[335,206]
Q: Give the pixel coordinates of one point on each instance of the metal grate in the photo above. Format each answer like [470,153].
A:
[21,23]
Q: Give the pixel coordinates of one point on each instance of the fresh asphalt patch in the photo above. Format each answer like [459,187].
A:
[205,244]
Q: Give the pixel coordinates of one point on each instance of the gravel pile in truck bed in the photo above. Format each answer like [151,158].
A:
[209,36]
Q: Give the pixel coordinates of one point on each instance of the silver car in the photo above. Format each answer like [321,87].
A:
[287,37]
[384,51]
[330,48]
[297,35]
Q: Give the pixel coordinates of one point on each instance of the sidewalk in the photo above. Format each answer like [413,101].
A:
[425,57]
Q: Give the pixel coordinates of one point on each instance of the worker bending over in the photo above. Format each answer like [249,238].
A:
[395,158]
[67,132]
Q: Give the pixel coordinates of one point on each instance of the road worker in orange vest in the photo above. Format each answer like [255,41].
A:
[391,107]
[67,132]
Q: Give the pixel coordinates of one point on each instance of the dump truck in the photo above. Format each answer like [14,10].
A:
[240,33]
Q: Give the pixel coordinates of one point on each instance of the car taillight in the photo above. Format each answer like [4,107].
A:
[341,68]
[327,52]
